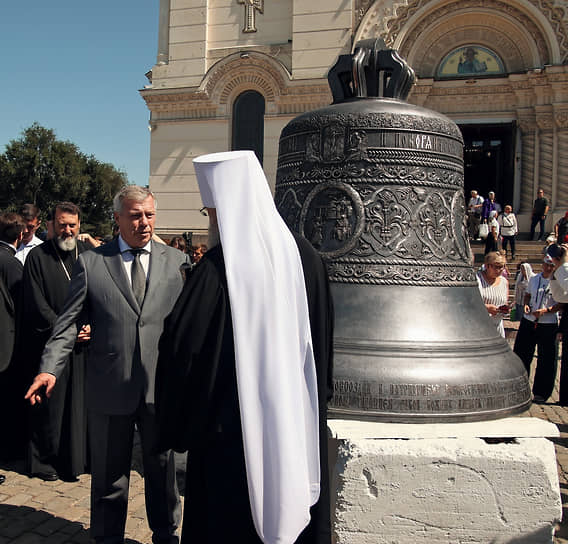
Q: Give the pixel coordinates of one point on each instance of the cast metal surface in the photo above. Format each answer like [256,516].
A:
[376,185]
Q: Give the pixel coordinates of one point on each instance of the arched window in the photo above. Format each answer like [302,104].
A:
[470,60]
[248,123]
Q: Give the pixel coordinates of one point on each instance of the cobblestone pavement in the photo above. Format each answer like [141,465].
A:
[559,416]
[34,512]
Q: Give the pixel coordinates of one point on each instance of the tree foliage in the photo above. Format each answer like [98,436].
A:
[41,169]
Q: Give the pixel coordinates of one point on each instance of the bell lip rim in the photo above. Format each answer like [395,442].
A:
[414,417]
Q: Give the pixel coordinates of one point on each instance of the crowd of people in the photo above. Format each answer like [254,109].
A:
[102,338]
[488,221]
[35,272]
[195,252]
[539,303]
[535,306]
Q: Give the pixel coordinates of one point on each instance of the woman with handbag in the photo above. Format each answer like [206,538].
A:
[524,274]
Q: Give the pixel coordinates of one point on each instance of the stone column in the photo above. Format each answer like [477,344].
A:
[545,178]
[164,33]
[529,152]
[561,119]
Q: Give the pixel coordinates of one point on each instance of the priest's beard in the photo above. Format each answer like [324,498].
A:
[213,238]
[66,244]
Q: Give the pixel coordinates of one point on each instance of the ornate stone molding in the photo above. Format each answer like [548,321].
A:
[227,79]
[361,7]
[556,11]
[544,118]
[178,104]
[374,22]
[523,22]
[470,91]
[386,19]
[526,120]
[561,118]
[253,68]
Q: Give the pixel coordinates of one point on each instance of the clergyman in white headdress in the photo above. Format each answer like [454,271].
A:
[244,373]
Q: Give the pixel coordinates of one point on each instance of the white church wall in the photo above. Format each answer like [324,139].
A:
[322,31]
[172,177]
[227,20]
[187,46]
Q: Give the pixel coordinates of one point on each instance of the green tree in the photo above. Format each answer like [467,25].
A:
[41,169]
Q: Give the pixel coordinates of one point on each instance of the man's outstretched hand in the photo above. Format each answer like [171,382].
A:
[42,380]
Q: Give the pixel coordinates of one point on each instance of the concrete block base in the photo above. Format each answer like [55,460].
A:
[447,489]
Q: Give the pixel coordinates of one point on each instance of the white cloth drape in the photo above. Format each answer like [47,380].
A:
[273,347]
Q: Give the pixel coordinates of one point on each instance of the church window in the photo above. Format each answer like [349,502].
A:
[248,123]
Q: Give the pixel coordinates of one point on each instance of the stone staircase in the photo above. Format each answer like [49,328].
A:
[530,252]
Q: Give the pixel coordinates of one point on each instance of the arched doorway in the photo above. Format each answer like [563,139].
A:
[489,160]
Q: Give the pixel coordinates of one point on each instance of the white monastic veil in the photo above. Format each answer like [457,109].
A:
[273,347]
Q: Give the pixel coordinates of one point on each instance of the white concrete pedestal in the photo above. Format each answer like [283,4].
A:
[488,482]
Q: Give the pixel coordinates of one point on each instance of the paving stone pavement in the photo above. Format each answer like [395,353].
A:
[37,512]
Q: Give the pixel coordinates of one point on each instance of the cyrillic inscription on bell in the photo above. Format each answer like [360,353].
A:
[376,185]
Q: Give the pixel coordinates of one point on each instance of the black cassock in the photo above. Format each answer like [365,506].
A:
[58,427]
[198,409]
[13,408]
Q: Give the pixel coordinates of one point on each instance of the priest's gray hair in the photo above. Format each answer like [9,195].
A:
[131,192]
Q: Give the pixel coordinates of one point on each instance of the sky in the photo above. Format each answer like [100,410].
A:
[76,66]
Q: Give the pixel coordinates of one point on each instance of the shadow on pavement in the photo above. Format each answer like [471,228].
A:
[18,466]
[38,526]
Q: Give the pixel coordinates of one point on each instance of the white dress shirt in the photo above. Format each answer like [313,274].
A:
[541,298]
[24,250]
[127,257]
[559,284]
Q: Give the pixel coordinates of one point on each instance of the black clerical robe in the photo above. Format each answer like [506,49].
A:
[11,271]
[198,408]
[13,409]
[58,432]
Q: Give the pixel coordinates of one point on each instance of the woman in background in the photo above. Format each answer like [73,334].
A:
[492,240]
[494,289]
[509,229]
[524,274]
[179,243]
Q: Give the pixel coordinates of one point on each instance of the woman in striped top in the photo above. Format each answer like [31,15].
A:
[494,289]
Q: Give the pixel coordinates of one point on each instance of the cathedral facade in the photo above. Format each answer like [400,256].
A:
[230,74]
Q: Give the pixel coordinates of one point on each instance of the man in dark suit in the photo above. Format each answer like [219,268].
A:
[11,228]
[127,288]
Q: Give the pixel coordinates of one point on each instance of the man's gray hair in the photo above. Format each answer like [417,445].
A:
[131,192]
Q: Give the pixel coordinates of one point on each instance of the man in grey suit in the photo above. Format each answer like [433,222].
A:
[127,287]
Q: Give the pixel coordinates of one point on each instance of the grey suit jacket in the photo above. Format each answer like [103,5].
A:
[123,351]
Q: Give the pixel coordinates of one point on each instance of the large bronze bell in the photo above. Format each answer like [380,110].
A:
[376,184]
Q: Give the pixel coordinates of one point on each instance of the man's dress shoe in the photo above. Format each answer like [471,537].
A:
[46,476]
